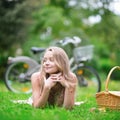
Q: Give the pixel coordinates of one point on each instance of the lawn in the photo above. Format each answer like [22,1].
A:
[86,111]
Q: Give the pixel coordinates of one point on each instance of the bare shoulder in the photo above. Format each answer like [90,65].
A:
[35,76]
[74,77]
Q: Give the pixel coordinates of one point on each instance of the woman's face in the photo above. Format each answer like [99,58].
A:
[49,63]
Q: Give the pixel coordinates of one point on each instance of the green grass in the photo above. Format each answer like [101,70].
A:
[86,111]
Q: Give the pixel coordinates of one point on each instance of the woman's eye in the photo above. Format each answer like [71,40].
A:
[48,59]
[44,60]
[51,59]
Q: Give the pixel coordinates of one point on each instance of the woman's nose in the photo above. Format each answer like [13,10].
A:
[47,62]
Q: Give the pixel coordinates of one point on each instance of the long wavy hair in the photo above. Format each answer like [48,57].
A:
[61,60]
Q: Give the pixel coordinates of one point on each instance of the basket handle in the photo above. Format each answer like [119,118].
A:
[108,77]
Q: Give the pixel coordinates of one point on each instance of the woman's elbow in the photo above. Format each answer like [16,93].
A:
[37,106]
[68,107]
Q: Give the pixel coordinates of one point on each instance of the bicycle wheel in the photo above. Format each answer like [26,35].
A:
[16,78]
[88,80]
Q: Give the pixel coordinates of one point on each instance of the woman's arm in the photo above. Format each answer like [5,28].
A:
[69,97]
[40,96]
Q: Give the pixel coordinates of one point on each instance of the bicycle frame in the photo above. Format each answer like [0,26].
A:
[26,66]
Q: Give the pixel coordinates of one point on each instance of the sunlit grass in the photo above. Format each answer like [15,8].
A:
[3,87]
[86,111]
[113,85]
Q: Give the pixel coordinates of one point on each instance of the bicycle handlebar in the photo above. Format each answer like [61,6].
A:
[75,41]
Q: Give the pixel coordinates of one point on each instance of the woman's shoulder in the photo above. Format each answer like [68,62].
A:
[35,75]
[73,77]
[72,74]
[36,79]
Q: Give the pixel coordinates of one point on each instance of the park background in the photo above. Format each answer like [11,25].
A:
[27,23]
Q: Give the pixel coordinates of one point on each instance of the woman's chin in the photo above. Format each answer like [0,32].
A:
[52,72]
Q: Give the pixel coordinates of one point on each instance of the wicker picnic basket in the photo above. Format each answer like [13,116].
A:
[109,99]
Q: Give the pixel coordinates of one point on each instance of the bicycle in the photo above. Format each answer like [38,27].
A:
[20,68]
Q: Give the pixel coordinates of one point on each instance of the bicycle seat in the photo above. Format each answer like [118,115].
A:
[36,50]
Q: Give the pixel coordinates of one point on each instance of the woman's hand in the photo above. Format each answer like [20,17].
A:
[52,80]
[61,80]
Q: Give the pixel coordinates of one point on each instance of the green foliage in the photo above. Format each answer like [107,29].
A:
[11,29]
[11,22]
[52,22]
[49,17]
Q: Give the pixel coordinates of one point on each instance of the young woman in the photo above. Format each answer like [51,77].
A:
[54,84]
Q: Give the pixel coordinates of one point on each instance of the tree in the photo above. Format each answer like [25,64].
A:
[12,32]
[11,22]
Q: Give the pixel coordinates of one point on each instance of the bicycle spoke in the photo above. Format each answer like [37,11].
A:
[15,78]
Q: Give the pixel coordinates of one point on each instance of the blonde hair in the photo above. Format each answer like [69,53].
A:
[61,60]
